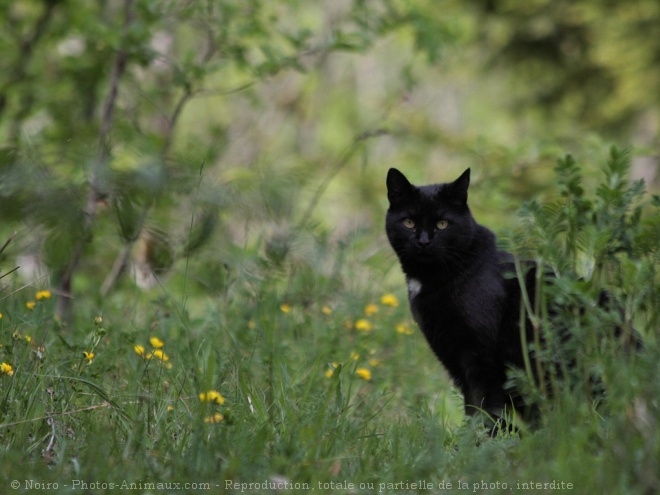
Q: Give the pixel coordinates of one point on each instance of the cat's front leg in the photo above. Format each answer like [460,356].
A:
[491,406]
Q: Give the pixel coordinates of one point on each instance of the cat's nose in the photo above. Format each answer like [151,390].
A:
[424,240]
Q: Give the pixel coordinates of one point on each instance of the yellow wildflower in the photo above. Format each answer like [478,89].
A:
[0,316]
[373,362]
[89,356]
[355,356]
[212,396]
[326,310]
[364,325]
[28,339]
[389,300]
[156,343]
[170,408]
[285,308]
[331,370]
[6,369]
[139,349]
[212,420]
[363,373]
[161,355]
[404,329]
[370,309]
[98,320]
[30,304]
[43,294]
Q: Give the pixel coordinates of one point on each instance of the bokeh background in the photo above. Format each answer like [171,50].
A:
[138,133]
[196,284]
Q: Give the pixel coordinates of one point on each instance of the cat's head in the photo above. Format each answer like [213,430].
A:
[429,224]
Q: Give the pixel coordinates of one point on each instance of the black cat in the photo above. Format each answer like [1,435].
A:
[461,291]
[466,299]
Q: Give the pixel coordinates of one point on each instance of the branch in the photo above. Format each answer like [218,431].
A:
[64,301]
[346,157]
[172,121]
[4,246]
[26,49]
[11,238]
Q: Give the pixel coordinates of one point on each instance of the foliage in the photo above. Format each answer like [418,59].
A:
[600,241]
[119,120]
[599,286]
[584,58]
[165,55]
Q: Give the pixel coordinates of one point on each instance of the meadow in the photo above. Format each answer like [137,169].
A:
[297,376]
[196,290]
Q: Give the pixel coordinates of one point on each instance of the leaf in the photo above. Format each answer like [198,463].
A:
[129,217]
[201,231]
[155,251]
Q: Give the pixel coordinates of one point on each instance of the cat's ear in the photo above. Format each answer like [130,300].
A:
[459,188]
[399,189]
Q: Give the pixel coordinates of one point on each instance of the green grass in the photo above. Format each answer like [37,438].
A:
[325,384]
[124,419]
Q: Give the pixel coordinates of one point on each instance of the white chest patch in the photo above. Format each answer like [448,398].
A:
[414,287]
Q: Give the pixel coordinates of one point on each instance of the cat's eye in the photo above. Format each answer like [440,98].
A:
[408,223]
[442,224]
